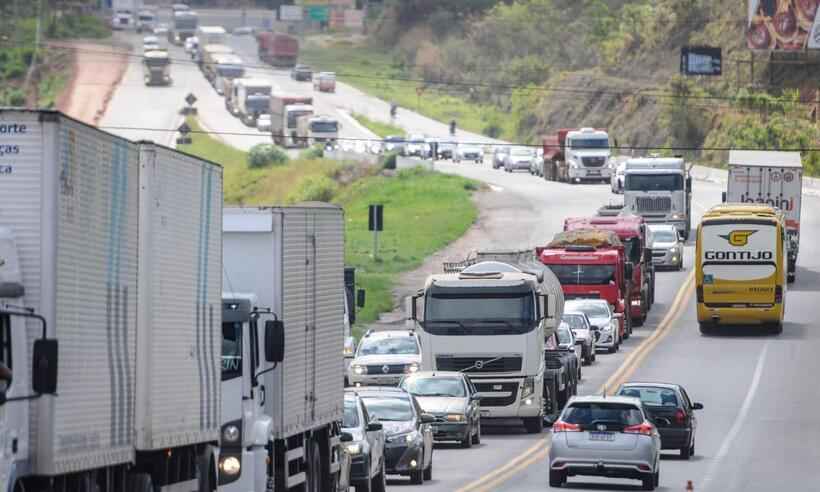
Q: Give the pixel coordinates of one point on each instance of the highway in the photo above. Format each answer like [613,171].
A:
[758,428]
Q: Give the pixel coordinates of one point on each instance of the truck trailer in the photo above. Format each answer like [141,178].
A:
[183,26]
[108,249]
[576,155]
[285,111]
[250,98]
[770,178]
[277,49]
[284,270]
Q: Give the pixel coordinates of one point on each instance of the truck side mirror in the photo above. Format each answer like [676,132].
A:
[544,306]
[723,197]
[44,366]
[360,298]
[647,254]
[414,308]
[628,270]
[274,340]
[689,183]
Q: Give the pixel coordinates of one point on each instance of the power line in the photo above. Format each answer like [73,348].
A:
[472,84]
[449,139]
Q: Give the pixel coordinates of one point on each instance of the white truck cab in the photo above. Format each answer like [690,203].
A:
[660,190]
[588,155]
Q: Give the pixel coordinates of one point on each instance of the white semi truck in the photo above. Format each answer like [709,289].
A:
[285,112]
[490,320]
[316,129]
[660,190]
[251,98]
[109,314]
[283,269]
[770,178]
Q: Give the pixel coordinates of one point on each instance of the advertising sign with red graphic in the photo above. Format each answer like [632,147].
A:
[783,25]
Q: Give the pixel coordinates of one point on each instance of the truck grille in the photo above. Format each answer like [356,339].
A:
[391,369]
[504,364]
[653,203]
[593,161]
[497,401]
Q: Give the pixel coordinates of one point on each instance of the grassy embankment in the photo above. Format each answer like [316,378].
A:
[52,67]
[377,127]
[376,73]
[423,211]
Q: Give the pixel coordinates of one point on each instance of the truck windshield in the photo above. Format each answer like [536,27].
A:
[664,236]
[257,104]
[653,182]
[324,126]
[584,274]
[590,143]
[293,117]
[230,71]
[479,314]
[231,351]
[157,62]
[187,23]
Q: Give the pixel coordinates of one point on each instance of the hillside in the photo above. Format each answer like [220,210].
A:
[532,66]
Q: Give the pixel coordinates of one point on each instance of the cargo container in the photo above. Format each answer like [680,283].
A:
[108,251]
[277,49]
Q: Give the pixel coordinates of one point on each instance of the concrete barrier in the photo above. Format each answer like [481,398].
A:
[346,155]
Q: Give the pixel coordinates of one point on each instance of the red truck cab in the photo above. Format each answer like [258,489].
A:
[591,269]
[631,230]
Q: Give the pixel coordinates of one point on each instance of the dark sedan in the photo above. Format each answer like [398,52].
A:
[302,73]
[451,398]
[672,411]
[408,432]
[365,445]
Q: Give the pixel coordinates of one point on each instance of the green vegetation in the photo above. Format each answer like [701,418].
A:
[377,127]
[423,211]
[77,26]
[263,155]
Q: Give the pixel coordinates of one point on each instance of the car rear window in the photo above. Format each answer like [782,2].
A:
[655,397]
[588,415]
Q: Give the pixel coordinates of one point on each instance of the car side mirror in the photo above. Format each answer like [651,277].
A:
[274,340]
[475,397]
[697,406]
[374,426]
[360,298]
[426,418]
[44,366]
[594,328]
[346,437]
[597,335]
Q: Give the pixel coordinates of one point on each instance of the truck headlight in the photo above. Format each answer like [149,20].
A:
[348,351]
[359,369]
[676,216]
[231,434]
[354,448]
[527,387]
[573,164]
[455,417]
[411,368]
[230,465]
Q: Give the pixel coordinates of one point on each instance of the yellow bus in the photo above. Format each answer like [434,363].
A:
[741,270]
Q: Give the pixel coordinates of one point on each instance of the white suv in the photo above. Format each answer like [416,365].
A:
[384,357]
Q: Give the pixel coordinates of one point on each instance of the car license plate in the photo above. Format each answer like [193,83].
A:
[601,436]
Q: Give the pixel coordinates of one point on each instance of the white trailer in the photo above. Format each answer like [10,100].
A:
[108,249]
[284,266]
[771,178]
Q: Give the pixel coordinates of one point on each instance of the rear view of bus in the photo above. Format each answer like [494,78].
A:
[740,272]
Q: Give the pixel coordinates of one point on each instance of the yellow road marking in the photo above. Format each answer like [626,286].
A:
[532,455]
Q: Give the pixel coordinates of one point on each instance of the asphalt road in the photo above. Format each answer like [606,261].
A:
[759,425]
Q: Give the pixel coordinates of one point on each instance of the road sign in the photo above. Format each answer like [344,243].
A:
[184,129]
[190,99]
[290,13]
[701,60]
[318,13]
[375,220]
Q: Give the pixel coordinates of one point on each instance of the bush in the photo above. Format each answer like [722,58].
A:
[77,26]
[315,188]
[262,155]
[13,97]
[315,152]
[389,160]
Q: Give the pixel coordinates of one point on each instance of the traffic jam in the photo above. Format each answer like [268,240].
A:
[504,336]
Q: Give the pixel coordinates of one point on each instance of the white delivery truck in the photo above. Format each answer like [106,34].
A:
[660,190]
[490,320]
[316,129]
[109,312]
[284,268]
[770,178]
[251,98]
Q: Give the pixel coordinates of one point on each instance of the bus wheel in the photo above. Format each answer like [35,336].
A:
[705,329]
[776,328]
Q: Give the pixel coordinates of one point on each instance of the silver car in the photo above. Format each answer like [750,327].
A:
[468,152]
[666,245]
[519,158]
[384,357]
[600,316]
[605,436]
[582,329]
[500,153]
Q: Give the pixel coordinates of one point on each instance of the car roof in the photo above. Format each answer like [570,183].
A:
[381,390]
[390,334]
[674,386]
[606,399]
[661,227]
[436,374]
[586,300]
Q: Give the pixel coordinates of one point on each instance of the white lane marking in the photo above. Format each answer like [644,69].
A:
[355,123]
[741,417]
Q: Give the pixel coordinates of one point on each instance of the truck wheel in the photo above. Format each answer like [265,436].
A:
[428,472]
[534,425]
[790,278]
[705,329]
[380,481]
[776,328]
[557,478]
[477,436]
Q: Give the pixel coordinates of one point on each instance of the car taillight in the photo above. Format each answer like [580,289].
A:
[644,428]
[561,426]
[700,293]
[778,294]
[680,417]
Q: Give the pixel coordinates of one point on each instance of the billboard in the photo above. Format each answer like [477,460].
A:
[783,25]
[700,60]
[289,13]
